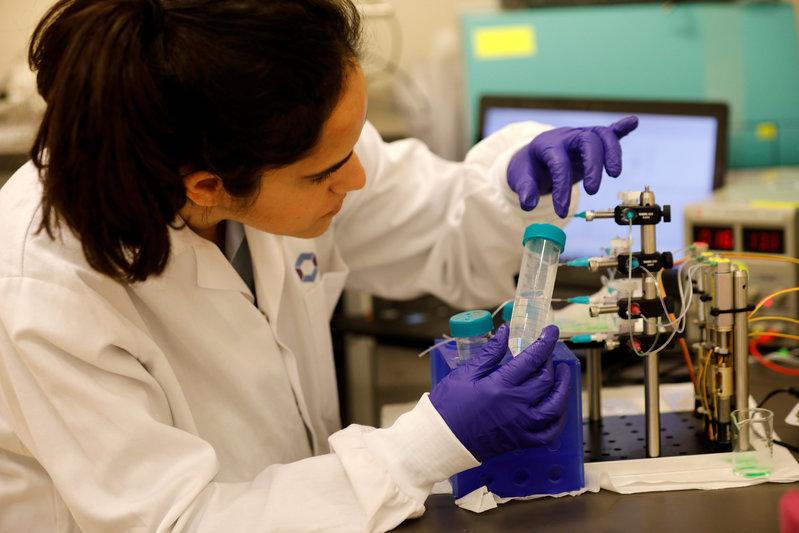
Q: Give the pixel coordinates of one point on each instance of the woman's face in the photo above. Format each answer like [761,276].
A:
[301,199]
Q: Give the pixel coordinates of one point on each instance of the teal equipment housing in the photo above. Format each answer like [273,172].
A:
[746,55]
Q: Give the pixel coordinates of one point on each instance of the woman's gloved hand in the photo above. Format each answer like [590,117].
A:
[494,409]
[557,158]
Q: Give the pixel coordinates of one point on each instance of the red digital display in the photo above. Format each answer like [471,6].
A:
[767,241]
[716,237]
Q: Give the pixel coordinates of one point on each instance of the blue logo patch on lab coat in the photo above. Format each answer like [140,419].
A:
[306,267]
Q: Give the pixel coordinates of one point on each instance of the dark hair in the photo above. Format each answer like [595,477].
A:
[137,90]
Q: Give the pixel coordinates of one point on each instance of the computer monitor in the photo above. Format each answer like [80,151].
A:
[679,149]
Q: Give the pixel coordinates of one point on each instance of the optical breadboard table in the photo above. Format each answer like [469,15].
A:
[753,508]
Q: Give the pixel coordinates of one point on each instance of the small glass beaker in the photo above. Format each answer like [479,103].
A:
[752,442]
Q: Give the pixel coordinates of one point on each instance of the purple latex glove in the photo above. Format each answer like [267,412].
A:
[494,408]
[558,158]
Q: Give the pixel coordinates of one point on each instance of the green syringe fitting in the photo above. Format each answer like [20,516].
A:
[579,300]
[581,214]
[578,262]
[582,339]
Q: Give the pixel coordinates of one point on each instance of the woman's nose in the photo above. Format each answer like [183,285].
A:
[351,177]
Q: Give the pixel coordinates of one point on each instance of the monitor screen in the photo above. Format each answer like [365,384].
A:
[675,154]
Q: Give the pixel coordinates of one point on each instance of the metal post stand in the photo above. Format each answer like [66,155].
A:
[594,372]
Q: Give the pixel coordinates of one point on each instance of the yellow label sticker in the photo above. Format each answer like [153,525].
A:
[774,204]
[741,265]
[502,42]
[766,131]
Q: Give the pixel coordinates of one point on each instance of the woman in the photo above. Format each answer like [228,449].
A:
[202,187]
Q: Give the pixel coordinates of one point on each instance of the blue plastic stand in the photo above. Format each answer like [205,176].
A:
[541,470]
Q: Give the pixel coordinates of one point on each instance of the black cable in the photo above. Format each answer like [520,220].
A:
[791,447]
[793,391]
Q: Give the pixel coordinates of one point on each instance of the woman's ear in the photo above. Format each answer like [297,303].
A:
[204,189]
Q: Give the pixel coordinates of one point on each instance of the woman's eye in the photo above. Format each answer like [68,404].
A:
[321,177]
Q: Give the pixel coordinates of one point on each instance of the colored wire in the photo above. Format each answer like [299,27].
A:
[765,257]
[683,345]
[781,358]
[774,318]
[661,295]
[769,297]
[689,290]
[685,306]
[680,277]
[687,356]
[677,323]
[700,380]
[703,383]
[773,334]
[770,364]
[498,309]
[715,399]
[436,345]
[705,403]
[630,289]
[674,323]
[630,327]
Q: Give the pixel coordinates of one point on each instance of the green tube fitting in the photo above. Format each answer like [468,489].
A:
[578,262]
[579,300]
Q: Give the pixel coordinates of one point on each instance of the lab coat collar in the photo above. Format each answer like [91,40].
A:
[214,271]
[269,269]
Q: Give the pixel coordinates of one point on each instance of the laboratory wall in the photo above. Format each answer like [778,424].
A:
[421,21]
[18,18]
[422,35]
[414,70]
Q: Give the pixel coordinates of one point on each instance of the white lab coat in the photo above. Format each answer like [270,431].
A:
[176,404]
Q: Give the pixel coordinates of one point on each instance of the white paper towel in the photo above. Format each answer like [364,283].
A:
[706,472]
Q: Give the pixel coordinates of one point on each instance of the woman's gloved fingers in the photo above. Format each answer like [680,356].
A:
[624,126]
[523,366]
[548,434]
[522,179]
[491,355]
[610,138]
[591,151]
[556,158]
[527,186]
[612,147]
[528,194]
[554,405]
[539,385]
